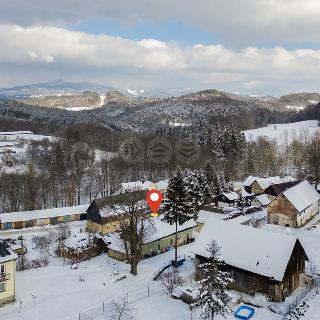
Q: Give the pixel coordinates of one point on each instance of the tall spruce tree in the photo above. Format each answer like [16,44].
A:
[195,184]
[177,206]
[213,297]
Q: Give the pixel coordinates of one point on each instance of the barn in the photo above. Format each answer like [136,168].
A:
[295,206]
[258,261]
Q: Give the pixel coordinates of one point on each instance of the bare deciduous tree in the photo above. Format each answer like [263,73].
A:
[135,228]
[63,231]
[120,309]
[171,280]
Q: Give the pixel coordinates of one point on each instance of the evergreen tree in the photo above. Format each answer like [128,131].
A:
[177,206]
[213,297]
[218,185]
[194,181]
[208,192]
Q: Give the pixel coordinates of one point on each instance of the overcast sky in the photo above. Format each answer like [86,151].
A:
[256,46]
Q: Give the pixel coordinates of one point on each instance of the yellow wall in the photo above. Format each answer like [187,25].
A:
[9,294]
[255,188]
[104,228]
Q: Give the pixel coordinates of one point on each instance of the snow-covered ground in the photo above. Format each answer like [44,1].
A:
[61,291]
[60,294]
[298,130]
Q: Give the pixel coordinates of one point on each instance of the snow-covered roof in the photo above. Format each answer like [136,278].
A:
[203,215]
[266,182]
[4,144]
[263,199]
[245,194]
[140,185]
[161,230]
[302,195]
[6,253]
[10,133]
[231,195]
[41,214]
[255,250]
[116,209]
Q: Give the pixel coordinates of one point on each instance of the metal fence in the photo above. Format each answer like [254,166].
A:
[101,310]
[302,295]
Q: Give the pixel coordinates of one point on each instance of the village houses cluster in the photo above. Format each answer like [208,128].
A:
[259,261]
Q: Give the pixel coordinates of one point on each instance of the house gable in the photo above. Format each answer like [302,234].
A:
[93,213]
[281,211]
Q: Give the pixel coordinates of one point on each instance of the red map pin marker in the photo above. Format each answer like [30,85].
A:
[154,198]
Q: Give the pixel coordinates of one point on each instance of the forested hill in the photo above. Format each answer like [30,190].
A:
[150,116]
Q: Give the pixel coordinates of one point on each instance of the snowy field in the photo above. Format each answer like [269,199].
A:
[281,132]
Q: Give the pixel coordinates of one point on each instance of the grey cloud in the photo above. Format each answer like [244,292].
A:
[46,53]
[236,23]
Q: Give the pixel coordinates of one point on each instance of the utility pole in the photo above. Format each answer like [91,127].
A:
[22,250]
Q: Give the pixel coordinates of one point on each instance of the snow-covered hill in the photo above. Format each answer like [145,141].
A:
[282,131]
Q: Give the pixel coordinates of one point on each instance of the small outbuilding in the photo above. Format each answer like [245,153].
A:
[53,216]
[260,200]
[226,199]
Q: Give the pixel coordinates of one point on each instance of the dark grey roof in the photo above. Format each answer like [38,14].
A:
[6,254]
[4,250]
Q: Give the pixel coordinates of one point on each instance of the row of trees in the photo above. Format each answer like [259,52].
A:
[53,174]
[299,157]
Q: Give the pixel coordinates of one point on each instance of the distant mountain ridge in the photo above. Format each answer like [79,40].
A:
[86,95]
[62,87]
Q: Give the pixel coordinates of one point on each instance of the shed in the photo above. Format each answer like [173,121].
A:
[226,199]
[25,219]
[260,200]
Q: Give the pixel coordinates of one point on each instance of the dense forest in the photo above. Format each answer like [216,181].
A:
[83,161]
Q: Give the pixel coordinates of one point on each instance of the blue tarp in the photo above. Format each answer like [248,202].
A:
[244,313]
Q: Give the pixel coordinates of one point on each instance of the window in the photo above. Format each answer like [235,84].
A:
[171,241]
[159,246]
[2,286]
[2,269]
